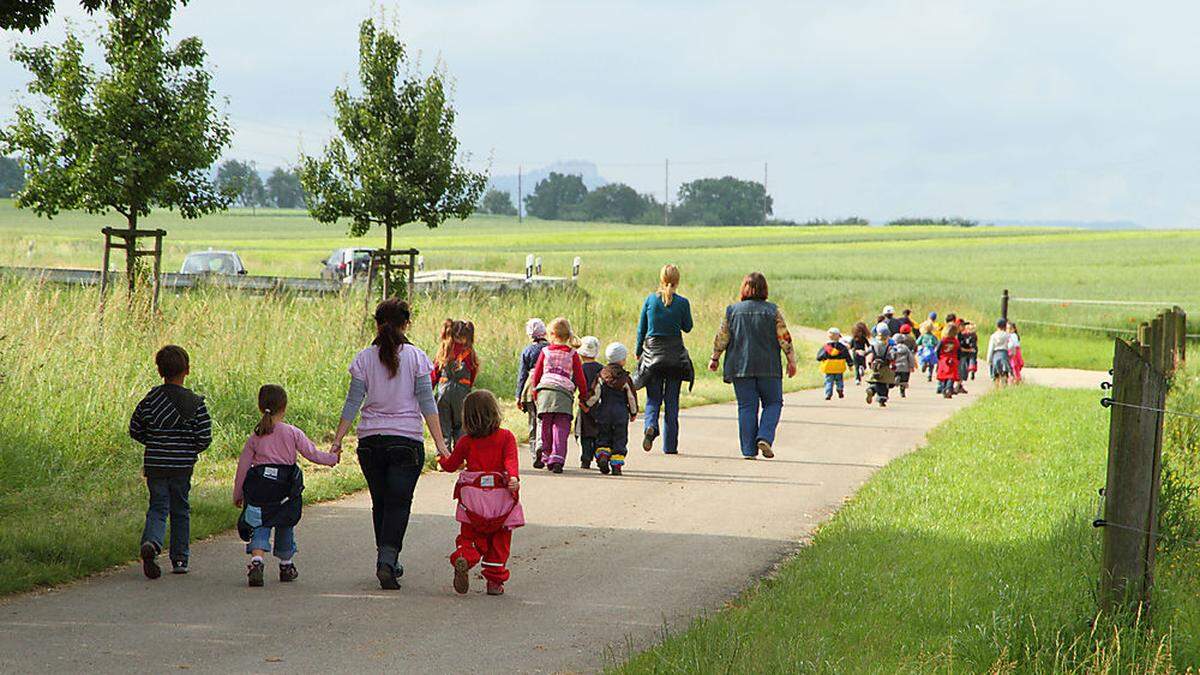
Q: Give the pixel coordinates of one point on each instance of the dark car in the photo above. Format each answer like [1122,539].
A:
[213,262]
[344,264]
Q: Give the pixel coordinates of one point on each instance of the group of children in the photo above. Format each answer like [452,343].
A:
[888,353]
[555,368]
[173,424]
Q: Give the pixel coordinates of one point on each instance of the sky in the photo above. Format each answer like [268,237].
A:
[1012,110]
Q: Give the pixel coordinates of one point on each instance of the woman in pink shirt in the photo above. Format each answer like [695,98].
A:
[268,462]
[390,382]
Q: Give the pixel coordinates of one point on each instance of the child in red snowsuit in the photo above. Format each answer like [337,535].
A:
[487,449]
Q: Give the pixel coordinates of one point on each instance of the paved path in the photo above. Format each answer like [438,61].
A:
[605,563]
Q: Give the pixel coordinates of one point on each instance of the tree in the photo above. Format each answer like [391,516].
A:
[142,135]
[284,190]
[497,203]
[721,201]
[242,180]
[395,159]
[12,177]
[558,196]
[31,15]
[615,202]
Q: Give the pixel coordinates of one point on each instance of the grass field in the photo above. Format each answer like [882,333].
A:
[973,554]
[820,275]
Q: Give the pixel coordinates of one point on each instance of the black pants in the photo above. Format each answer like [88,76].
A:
[391,465]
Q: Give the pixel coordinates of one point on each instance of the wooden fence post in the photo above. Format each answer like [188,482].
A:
[1134,468]
[1180,334]
[1004,305]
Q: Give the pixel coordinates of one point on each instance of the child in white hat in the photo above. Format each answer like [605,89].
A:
[585,426]
[613,405]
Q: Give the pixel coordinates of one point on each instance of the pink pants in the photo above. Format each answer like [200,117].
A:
[556,428]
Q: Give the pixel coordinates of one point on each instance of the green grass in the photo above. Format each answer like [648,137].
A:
[820,275]
[973,554]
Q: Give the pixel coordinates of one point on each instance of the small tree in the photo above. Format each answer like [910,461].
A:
[558,196]
[284,190]
[241,179]
[615,202]
[722,201]
[395,159]
[12,177]
[497,203]
[139,136]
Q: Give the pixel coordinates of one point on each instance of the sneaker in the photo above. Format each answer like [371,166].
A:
[882,403]
[616,470]
[841,394]
[829,397]
[765,448]
[462,581]
[149,567]
[870,396]
[903,393]
[254,573]
[602,464]
[538,463]
[648,439]
[179,567]
[288,572]
[556,468]
[586,466]
[494,588]
[388,578]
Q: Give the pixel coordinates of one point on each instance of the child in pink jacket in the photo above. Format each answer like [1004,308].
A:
[268,458]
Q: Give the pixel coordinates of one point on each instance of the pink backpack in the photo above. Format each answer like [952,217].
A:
[558,369]
[485,502]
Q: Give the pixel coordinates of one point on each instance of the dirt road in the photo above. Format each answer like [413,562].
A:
[604,564]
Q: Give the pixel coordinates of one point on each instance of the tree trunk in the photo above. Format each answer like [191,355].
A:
[130,249]
[387,264]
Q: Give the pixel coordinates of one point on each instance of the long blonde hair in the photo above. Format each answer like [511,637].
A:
[668,280]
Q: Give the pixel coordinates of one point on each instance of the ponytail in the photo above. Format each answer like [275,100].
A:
[272,400]
[391,319]
[443,353]
[668,281]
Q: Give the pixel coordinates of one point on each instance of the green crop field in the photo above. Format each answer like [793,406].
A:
[69,379]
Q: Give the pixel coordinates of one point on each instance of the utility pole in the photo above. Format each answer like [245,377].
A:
[765,193]
[520,198]
[666,192]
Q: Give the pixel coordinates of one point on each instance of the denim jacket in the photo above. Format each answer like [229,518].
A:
[753,336]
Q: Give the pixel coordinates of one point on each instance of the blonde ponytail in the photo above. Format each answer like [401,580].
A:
[668,282]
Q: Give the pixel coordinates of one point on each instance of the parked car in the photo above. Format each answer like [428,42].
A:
[344,264]
[213,262]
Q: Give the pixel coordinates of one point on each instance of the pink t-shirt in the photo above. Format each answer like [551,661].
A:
[278,447]
[391,407]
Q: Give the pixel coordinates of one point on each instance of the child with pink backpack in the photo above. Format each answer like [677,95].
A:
[487,493]
[556,377]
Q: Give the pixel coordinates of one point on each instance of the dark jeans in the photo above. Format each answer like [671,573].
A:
[752,428]
[391,465]
[169,496]
[588,445]
[662,393]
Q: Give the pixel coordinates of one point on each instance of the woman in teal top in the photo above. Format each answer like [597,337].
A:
[663,361]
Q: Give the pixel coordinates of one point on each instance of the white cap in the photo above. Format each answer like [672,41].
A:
[834,330]
[616,352]
[589,346]
[889,310]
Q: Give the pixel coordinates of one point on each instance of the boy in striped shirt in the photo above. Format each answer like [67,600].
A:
[173,423]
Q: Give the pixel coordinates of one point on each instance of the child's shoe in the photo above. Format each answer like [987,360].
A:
[254,573]
[903,393]
[616,470]
[585,465]
[538,463]
[288,572]
[648,439]
[179,566]
[462,581]
[149,567]
[556,468]
[829,397]
[494,588]
[841,393]
[870,396]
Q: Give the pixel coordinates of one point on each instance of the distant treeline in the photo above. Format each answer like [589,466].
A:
[726,201]
[954,222]
[818,222]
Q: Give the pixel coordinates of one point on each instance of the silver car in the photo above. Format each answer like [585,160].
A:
[213,262]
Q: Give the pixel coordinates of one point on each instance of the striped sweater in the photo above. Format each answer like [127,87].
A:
[173,423]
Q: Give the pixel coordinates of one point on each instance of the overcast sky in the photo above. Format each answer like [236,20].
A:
[1021,110]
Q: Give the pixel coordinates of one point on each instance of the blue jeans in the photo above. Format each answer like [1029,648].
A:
[169,496]
[663,393]
[834,380]
[285,541]
[752,428]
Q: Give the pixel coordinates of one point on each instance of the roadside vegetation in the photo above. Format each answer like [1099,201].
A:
[973,554]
